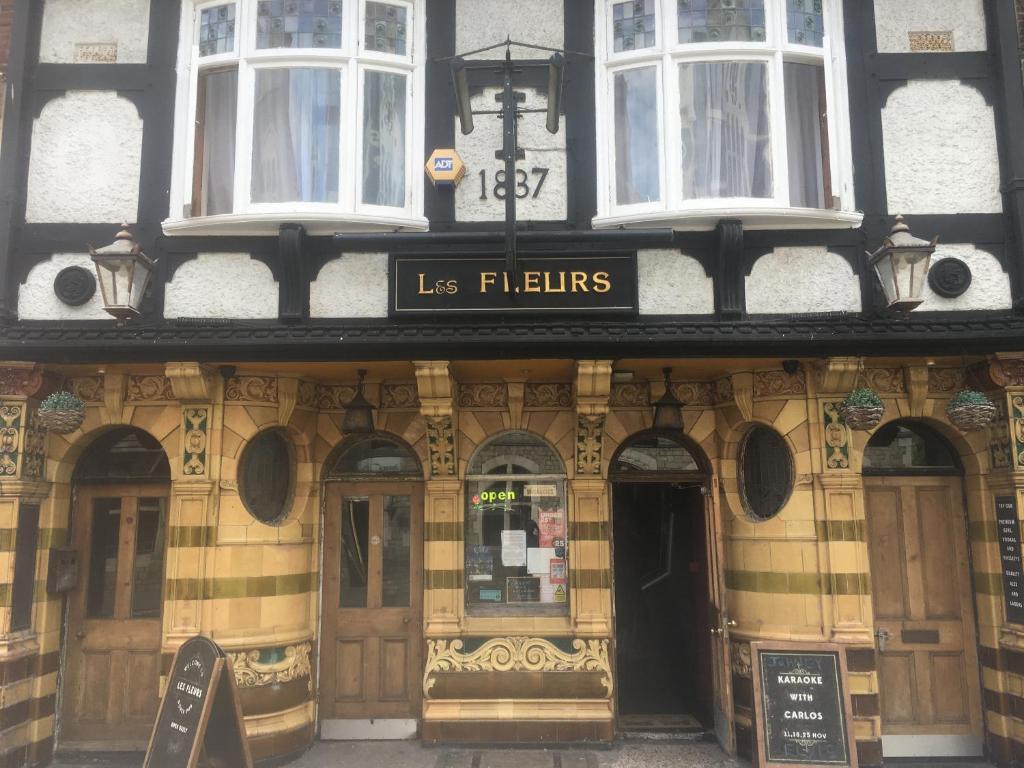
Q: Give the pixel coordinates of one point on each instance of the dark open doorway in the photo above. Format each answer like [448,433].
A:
[663,648]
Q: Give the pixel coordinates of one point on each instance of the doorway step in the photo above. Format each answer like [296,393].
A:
[661,728]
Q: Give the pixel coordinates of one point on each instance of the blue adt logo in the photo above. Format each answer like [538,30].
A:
[443,163]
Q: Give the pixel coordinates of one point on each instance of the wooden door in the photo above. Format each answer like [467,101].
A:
[721,649]
[372,632]
[921,591]
[112,669]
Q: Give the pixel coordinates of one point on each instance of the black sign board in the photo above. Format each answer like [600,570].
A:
[802,706]
[523,589]
[200,718]
[585,284]
[1009,554]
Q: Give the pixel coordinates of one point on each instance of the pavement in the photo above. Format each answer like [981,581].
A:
[411,754]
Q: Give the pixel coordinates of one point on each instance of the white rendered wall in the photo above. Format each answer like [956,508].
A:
[896,19]
[990,285]
[37,301]
[801,280]
[353,285]
[941,154]
[222,285]
[74,30]
[480,23]
[86,154]
[673,284]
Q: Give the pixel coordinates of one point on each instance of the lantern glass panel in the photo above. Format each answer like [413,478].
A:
[140,279]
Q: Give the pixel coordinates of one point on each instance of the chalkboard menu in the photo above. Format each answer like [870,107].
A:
[802,705]
[1009,555]
[199,715]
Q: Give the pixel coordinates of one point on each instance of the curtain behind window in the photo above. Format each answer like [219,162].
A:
[219,111]
[296,136]
[804,109]
[726,138]
[384,139]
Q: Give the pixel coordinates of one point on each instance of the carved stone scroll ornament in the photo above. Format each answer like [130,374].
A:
[741,659]
[441,445]
[250,672]
[334,397]
[774,383]
[150,388]
[631,395]
[517,654]
[251,389]
[589,444]
[399,396]
[483,396]
[548,395]
[88,389]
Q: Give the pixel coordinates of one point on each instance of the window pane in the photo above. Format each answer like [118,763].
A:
[106,527]
[714,21]
[298,24]
[516,453]
[806,22]
[384,139]
[217,30]
[395,588]
[123,455]
[216,114]
[26,543]
[355,541]
[908,447]
[634,25]
[148,568]
[805,135]
[266,475]
[767,473]
[655,453]
[385,28]
[726,140]
[296,136]
[636,136]
[375,456]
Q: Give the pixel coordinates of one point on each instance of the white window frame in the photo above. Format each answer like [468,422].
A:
[349,214]
[702,214]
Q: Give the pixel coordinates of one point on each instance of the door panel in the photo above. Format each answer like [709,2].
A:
[372,615]
[114,630]
[921,591]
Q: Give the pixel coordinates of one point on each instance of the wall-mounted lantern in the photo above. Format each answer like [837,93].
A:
[668,410]
[358,419]
[124,272]
[902,266]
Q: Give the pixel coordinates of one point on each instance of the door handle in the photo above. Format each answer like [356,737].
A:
[80,634]
[882,637]
[405,620]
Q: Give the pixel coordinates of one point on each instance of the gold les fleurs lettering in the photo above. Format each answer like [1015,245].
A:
[533,282]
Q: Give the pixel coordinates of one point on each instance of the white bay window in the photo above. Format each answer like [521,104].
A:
[306,111]
[711,109]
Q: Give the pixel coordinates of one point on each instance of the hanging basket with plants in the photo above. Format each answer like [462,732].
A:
[61,412]
[862,409]
[970,410]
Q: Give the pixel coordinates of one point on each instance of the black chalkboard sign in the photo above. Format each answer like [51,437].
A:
[200,719]
[1009,555]
[522,589]
[802,709]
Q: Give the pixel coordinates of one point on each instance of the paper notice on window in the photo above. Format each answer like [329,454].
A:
[552,526]
[513,548]
[540,491]
[538,560]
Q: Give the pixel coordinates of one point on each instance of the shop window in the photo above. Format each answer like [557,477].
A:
[766,473]
[26,543]
[266,475]
[301,110]
[714,106]
[516,529]
[909,448]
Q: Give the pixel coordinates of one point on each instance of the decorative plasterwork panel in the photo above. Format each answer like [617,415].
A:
[723,391]
[88,389]
[837,439]
[589,444]
[10,438]
[20,379]
[306,397]
[631,395]
[999,446]
[399,396]
[886,381]
[740,654]
[548,396]
[150,389]
[197,422]
[1007,371]
[34,453]
[251,672]
[944,380]
[695,392]
[515,654]
[251,389]
[1017,425]
[931,42]
[775,383]
[334,397]
[441,446]
[483,395]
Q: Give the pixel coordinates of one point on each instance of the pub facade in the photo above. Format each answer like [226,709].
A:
[529,444]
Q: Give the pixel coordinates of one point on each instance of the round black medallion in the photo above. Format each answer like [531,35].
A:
[74,285]
[949,278]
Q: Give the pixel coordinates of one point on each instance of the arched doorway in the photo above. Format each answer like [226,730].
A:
[921,594]
[110,694]
[372,615]
[663,646]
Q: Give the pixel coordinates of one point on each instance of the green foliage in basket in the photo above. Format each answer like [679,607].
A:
[862,397]
[968,397]
[61,401]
